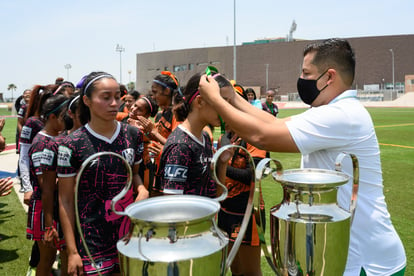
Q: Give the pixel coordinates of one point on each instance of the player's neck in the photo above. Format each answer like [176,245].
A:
[49,130]
[103,128]
[194,126]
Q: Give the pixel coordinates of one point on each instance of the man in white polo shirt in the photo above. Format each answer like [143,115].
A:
[337,122]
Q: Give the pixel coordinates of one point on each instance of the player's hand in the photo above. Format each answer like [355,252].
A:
[75,265]
[142,193]
[6,185]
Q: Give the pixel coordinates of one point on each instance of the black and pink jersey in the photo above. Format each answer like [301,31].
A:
[101,180]
[22,111]
[39,145]
[84,142]
[185,165]
[31,127]
[50,153]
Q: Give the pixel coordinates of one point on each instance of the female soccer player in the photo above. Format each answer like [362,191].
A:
[42,222]
[101,180]
[187,154]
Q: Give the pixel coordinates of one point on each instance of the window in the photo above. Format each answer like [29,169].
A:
[182,67]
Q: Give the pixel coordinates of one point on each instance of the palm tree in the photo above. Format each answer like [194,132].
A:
[12,87]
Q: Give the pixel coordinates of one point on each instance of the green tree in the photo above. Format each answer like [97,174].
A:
[13,88]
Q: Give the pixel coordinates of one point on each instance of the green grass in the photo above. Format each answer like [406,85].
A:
[9,130]
[397,165]
[14,247]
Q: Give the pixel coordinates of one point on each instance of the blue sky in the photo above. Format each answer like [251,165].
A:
[39,37]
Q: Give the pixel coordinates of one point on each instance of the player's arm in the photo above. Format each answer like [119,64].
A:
[67,219]
[138,185]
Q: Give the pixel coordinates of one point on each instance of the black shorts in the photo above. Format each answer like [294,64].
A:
[231,224]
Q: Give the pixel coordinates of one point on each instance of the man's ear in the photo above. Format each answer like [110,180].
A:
[332,75]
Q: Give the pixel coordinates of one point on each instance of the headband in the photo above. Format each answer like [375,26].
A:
[149,103]
[193,97]
[63,84]
[57,108]
[161,83]
[95,79]
[72,101]
[57,90]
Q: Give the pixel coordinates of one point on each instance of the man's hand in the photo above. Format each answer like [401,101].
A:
[209,89]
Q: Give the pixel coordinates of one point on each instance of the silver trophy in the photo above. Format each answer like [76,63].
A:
[309,231]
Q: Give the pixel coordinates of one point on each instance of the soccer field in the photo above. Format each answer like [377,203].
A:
[395,132]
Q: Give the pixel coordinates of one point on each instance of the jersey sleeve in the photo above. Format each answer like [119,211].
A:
[36,159]
[65,160]
[26,134]
[175,172]
[49,158]
[21,112]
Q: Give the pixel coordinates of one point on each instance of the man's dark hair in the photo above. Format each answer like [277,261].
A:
[334,53]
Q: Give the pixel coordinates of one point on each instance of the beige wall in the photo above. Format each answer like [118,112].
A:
[409,83]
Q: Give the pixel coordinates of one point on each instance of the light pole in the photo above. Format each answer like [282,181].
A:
[68,67]
[267,77]
[120,49]
[393,75]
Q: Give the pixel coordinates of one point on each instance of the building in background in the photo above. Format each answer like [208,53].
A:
[276,63]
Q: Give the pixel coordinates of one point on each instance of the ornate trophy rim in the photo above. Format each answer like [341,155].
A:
[311,179]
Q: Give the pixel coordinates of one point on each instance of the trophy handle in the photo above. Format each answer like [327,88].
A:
[214,160]
[249,207]
[114,200]
[264,169]
[355,177]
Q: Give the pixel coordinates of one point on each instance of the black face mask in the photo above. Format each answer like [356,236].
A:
[307,89]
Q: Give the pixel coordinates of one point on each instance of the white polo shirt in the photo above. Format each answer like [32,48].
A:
[344,125]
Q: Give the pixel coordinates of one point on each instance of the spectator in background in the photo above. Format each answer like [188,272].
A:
[251,97]
[129,99]
[141,111]
[268,105]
